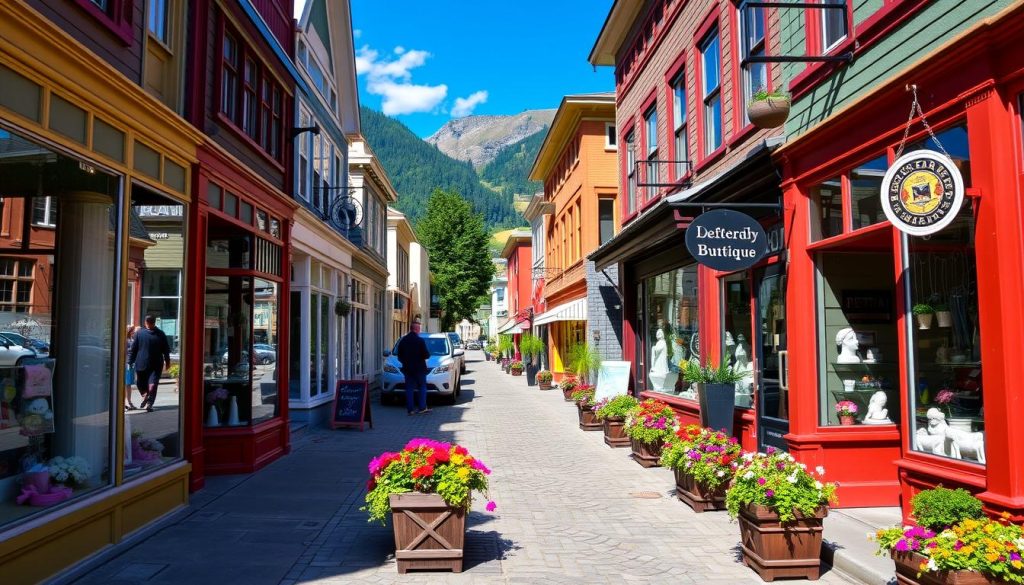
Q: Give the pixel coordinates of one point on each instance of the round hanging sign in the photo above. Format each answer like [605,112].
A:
[726,240]
[922,192]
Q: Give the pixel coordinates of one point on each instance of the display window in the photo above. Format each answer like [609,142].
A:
[671,336]
[59,326]
[737,333]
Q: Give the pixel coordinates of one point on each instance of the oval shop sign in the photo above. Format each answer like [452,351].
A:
[922,192]
[726,240]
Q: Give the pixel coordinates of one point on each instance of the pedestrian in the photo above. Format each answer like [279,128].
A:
[129,370]
[149,353]
[413,354]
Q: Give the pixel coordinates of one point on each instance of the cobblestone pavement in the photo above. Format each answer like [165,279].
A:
[570,509]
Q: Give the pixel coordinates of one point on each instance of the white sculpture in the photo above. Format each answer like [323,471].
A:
[662,380]
[965,444]
[877,413]
[846,341]
[874,355]
[730,348]
[743,366]
[933,439]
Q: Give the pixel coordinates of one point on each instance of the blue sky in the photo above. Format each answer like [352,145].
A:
[427,62]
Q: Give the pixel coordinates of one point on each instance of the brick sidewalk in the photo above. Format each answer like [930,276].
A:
[570,509]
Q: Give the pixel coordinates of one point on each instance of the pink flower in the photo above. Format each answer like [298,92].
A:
[944,396]
[761,481]
[491,506]
[769,493]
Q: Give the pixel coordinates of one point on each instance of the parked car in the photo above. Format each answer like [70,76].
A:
[443,377]
[265,354]
[12,353]
[474,345]
[42,349]
[456,342]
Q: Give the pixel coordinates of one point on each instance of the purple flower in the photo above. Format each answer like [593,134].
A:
[959,545]
[761,481]
[491,506]
[1014,556]
[902,545]
[693,454]
[770,450]
[769,493]
[780,466]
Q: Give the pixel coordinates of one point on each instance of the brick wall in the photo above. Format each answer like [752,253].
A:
[604,311]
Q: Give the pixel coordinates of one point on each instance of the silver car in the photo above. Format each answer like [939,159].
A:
[443,375]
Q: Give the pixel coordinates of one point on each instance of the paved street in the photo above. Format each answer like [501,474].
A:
[570,509]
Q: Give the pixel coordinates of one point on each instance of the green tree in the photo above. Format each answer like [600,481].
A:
[457,243]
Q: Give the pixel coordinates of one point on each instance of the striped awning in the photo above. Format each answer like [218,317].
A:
[571,311]
[513,326]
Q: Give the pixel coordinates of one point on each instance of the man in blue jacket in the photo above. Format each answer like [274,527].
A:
[412,352]
[149,352]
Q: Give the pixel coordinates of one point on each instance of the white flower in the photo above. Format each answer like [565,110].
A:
[931,565]
[820,470]
[721,473]
[791,479]
[803,466]
[818,485]
[748,475]
[748,456]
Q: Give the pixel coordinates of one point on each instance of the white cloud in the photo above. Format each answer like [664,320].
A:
[465,106]
[392,80]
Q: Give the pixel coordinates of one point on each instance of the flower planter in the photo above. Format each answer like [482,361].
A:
[588,422]
[615,432]
[717,406]
[567,394]
[696,495]
[531,374]
[847,421]
[768,113]
[516,372]
[773,549]
[909,563]
[544,385]
[429,534]
[945,318]
[924,321]
[646,454]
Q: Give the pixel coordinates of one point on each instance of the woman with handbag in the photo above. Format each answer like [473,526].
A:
[129,371]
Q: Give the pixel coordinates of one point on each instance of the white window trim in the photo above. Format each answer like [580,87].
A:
[824,19]
[609,131]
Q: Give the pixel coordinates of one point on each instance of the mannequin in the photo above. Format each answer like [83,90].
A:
[730,348]
[662,380]
[877,413]
[846,341]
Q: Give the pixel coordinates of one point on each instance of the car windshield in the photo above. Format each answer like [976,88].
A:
[15,338]
[435,345]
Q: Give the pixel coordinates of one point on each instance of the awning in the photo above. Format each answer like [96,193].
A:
[515,326]
[571,311]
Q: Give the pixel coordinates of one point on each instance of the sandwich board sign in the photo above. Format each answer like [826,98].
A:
[612,380]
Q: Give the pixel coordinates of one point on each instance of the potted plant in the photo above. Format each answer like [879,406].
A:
[585,361]
[342,307]
[768,109]
[953,542]
[505,362]
[924,313]
[531,347]
[612,413]
[648,426]
[506,346]
[703,462]
[568,385]
[780,506]
[516,368]
[490,350]
[584,397]
[943,315]
[426,489]
[846,410]
[544,379]
[716,393]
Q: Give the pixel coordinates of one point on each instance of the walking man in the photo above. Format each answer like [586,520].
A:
[150,353]
[412,352]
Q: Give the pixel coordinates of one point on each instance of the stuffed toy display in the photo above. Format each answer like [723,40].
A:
[35,417]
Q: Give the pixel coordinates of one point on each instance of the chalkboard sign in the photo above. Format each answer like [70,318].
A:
[612,379]
[351,406]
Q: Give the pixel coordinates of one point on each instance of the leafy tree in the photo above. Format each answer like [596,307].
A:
[457,242]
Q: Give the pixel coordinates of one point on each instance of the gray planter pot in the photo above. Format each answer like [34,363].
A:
[531,374]
[717,406]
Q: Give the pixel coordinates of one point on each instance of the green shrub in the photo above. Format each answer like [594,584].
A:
[940,507]
[544,376]
[709,374]
[619,406]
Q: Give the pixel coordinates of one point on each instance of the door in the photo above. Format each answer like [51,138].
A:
[771,355]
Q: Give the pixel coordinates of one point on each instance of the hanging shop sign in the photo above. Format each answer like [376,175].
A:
[726,240]
[922,192]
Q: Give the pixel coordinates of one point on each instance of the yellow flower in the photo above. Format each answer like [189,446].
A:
[463,472]
[458,459]
[967,550]
[989,528]
[1017,564]
[992,557]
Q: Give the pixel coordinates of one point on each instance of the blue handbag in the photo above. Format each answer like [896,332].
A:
[129,375]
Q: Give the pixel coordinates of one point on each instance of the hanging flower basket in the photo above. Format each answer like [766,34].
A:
[342,308]
[769,110]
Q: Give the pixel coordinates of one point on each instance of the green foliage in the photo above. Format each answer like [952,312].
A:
[940,507]
[619,406]
[652,421]
[709,374]
[510,168]
[517,366]
[491,348]
[762,94]
[569,383]
[505,345]
[173,371]
[531,347]
[710,457]
[584,396]
[417,169]
[584,360]
[775,480]
[457,242]
[544,376]
[923,309]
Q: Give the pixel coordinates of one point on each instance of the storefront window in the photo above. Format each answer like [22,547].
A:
[59,346]
[736,328]
[295,356]
[857,337]
[826,209]
[671,334]
[946,341]
[865,192]
[159,223]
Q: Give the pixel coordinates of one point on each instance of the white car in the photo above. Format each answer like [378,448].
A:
[443,375]
[11,354]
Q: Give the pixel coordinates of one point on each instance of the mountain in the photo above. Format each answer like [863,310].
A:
[479,139]
[417,168]
[507,173]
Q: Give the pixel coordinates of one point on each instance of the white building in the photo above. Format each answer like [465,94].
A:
[408,278]
[499,296]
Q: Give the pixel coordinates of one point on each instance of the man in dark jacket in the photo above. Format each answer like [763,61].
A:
[150,352]
[412,352]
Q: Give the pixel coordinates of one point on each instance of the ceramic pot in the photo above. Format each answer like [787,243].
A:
[944,318]
[768,113]
[847,421]
[924,321]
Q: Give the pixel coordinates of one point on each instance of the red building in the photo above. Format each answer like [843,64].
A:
[520,286]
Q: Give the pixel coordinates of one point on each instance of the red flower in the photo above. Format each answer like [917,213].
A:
[423,471]
[724,460]
[439,457]
[371,484]
[461,451]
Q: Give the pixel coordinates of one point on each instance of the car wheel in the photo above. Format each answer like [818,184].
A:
[266,360]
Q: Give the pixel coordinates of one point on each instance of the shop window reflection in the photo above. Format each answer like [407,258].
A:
[671,336]
[736,335]
[826,209]
[947,391]
[865,192]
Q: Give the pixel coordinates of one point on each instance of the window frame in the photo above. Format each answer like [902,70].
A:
[151,11]
[651,172]
[629,203]
[745,87]
[711,31]
[117,16]
[611,139]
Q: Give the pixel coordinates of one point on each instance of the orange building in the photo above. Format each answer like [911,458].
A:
[577,165]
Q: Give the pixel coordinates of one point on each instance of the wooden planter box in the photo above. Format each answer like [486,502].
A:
[429,534]
[588,422]
[615,432]
[515,372]
[907,564]
[567,394]
[773,549]
[544,385]
[646,454]
[696,495]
